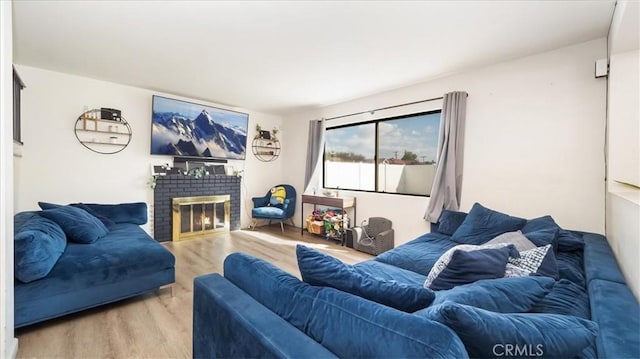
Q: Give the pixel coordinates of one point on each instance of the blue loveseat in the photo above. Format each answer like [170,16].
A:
[56,275]
[256,309]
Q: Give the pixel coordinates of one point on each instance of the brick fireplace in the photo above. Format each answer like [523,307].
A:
[175,186]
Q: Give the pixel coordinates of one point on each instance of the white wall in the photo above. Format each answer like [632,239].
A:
[533,146]
[623,201]
[624,112]
[55,167]
[8,344]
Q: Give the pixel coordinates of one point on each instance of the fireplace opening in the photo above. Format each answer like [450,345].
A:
[197,216]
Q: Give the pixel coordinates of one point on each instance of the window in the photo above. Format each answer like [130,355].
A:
[18,85]
[393,155]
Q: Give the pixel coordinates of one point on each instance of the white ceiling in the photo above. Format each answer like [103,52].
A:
[279,56]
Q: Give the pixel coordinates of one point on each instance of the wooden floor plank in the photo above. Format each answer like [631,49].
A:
[159,325]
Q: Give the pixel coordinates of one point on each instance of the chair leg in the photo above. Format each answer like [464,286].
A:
[282,226]
[253,224]
[291,220]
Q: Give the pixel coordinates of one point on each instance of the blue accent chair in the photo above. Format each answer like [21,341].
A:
[263,209]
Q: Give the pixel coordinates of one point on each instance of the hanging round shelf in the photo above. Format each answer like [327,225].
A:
[266,150]
[105,136]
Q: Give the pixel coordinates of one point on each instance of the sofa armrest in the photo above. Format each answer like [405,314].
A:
[229,323]
[616,310]
[135,213]
[261,201]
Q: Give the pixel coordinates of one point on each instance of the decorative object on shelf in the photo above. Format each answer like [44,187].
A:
[265,135]
[103,130]
[194,171]
[266,150]
[198,172]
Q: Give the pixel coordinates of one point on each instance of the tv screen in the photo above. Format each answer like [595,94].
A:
[181,128]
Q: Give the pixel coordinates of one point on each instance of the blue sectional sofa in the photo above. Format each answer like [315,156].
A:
[57,274]
[258,310]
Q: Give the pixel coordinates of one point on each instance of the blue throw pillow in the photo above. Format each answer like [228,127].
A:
[105,220]
[450,221]
[77,224]
[483,224]
[465,263]
[502,295]
[566,298]
[320,269]
[487,334]
[538,261]
[542,231]
[38,244]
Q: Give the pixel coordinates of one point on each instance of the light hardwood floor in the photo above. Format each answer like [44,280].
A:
[159,325]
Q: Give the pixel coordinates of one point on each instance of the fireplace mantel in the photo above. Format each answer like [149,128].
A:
[173,186]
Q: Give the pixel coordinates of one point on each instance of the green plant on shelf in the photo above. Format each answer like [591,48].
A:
[152,182]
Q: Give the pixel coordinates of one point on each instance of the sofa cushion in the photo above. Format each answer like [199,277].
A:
[267,212]
[126,251]
[385,271]
[77,224]
[483,224]
[569,241]
[125,262]
[450,221]
[105,220]
[347,325]
[320,269]
[538,261]
[487,334]
[465,263]
[516,238]
[502,295]
[418,255]
[571,267]
[38,244]
[566,298]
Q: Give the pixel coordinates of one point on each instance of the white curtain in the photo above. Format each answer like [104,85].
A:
[447,183]
[315,148]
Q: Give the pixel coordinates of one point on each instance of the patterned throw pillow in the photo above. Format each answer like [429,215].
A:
[468,263]
[516,238]
[539,261]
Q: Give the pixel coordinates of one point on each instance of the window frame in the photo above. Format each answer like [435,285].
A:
[376,123]
[18,86]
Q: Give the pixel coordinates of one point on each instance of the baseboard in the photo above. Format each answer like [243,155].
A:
[13,348]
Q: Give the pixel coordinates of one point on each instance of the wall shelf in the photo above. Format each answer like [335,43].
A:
[104,136]
[266,150]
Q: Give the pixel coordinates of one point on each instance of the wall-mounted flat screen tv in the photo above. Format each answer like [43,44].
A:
[181,128]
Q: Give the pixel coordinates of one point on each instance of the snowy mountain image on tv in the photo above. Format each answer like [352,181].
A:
[182,128]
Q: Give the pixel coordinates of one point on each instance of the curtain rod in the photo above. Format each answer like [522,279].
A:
[384,108]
